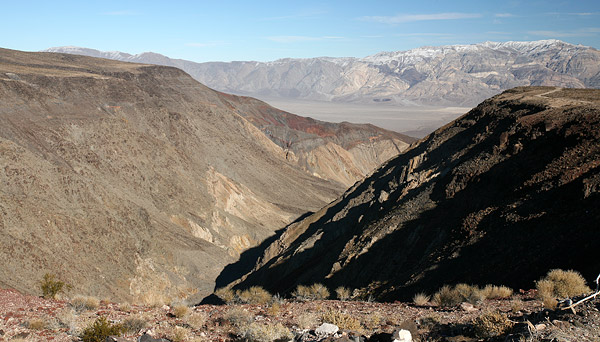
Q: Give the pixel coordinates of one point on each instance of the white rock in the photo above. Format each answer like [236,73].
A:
[327,329]
[402,336]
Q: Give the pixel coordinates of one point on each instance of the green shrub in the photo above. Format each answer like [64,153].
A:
[561,284]
[100,330]
[51,286]
[492,324]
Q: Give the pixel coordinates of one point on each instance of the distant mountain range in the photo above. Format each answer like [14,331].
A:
[455,75]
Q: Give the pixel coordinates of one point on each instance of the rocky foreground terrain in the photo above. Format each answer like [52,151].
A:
[500,195]
[29,318]
[136,182]
[462,75]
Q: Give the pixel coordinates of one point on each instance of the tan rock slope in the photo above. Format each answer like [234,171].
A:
[135,182]
[501,195]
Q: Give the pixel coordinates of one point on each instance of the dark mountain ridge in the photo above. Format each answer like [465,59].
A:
[500,195]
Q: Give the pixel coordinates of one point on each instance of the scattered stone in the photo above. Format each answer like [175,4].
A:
[115,339]
[148,338]
[401,335]
[467,307]
[327,329]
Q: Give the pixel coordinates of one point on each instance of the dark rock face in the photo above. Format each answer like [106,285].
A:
[501,195]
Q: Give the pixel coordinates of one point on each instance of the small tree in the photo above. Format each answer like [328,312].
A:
[51,286]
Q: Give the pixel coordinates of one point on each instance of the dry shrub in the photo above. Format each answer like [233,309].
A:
[561,284]
[373,321]
[254,295]
[82,303]
[134,324]
[516,305]
[313,292]
[274,309]
[125,307]
[36,324]
[179,334]
[447,296]
[342,293]
[491,324]
[497,292]
[549,302]
[421,299]
[342,320]
[180,311]
[197,320]
[238,317]
[226,294]
[259,332]
[307,320]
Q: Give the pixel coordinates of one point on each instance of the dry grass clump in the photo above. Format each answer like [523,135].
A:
[373,321]
[516,305]
[196,320]
[254,295]
[133,324]
[561,284]
[83,303]
[36,324]
[274,309]
[491,324]
[226,294]
[447,296]
[342,293]
[421,299]
[313,292]
[180,311]
[342,320]
[238,317]
[179,334]
[497,292]
[259,332]
[125,307]
[307,320]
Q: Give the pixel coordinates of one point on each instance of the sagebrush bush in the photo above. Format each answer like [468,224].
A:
[134,324]
[180,310]
[226,294]
[497,292]
[342,320]
[82,303]
[307,320]
[100,330]
[313,292]
[259,332]
[561,284]
[491,324]
[196,320]
[238,317]
[342,293]
[447,296]
[51,286]
[37,324]
[254,295]
[421,299]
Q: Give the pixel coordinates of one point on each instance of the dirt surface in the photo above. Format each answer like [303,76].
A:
[427,323]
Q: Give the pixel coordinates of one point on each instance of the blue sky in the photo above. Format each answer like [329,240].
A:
[267,30]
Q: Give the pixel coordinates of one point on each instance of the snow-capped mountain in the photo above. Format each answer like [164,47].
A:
[445,75]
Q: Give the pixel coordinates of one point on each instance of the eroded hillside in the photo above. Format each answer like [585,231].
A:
[131,181]
[501,195]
